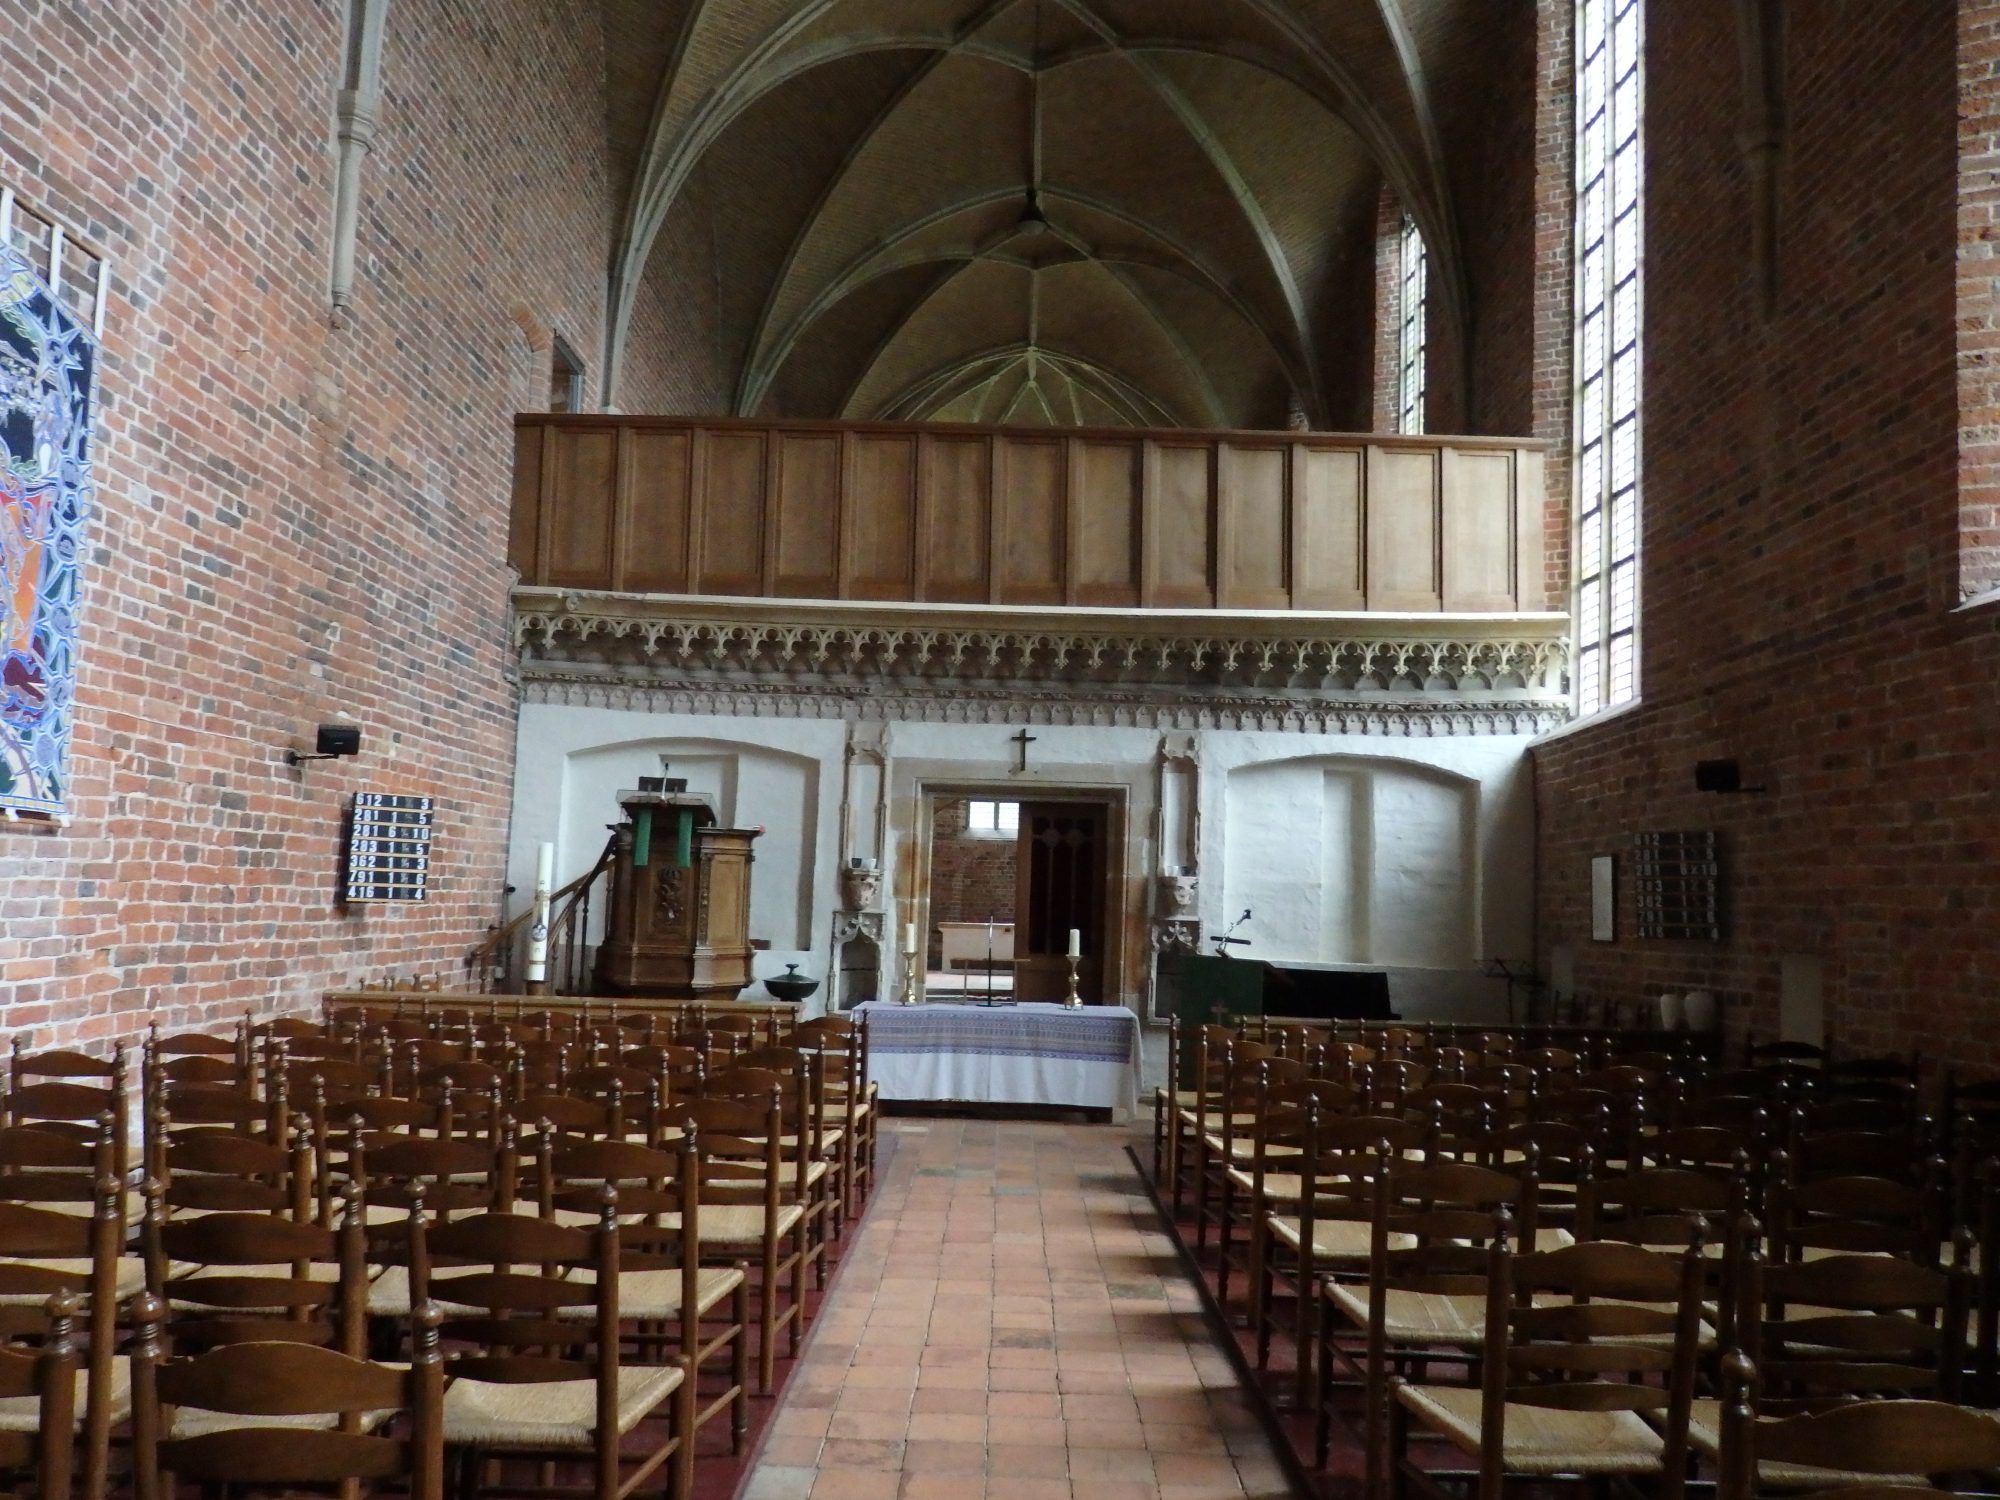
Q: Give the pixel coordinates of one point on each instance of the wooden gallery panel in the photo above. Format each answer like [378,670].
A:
[586,466]
[525,520]
[881,517]
[730,557]
[1104,524]
[1180,526]
[653,478]
[1329,548]
[1029,509]
[1256,527]
[957,493]
[805,522]
[1480,531]
[1403,529]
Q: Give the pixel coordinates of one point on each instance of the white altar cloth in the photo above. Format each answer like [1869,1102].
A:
[1087,1058]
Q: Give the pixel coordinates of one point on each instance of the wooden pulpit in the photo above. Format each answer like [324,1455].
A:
[678,925]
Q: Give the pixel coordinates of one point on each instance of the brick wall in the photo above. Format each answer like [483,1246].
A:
[292,522]
[1801,541]
[972,878]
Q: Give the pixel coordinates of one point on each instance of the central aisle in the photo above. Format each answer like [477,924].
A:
[1012,1321]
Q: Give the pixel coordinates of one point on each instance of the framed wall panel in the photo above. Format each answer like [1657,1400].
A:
[1256,527]
[1403,529]
[1330,548]
[730,547]
[1032,524]
[957,518]
[806,519]
[1104,528]
[881,518]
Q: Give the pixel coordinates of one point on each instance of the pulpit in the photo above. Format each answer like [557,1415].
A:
[678,924]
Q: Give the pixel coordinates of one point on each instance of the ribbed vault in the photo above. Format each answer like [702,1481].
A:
[1065,211]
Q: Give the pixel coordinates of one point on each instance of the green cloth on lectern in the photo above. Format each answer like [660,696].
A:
[684,840]
[642,837]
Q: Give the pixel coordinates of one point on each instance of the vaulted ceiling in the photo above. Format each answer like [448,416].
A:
[1157,212]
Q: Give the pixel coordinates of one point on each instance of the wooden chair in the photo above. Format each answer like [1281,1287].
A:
[749,1210]
[1426,1294]
[43,1088]
[47,1254]
[243,1277]
[1327,1230]
[1877,1449]
[270,1416]
[39,1419]
[1831,1331]
[663,1283]
[810,1183]
[541,1379]
[1579,1343]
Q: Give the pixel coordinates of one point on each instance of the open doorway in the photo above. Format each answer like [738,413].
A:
[1010,881]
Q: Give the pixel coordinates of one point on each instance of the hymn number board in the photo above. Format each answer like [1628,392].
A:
[1679,880]
[389,848]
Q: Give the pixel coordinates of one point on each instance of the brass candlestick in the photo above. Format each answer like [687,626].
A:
[1072,1000]
[909,996]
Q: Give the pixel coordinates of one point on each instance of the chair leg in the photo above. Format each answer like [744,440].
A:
[1222,1238]
[680,1483]
[739,1361]
[1323,1409]
[767,1325]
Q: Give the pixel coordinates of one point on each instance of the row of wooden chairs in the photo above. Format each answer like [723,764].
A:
[785,1143]
[1373,1194]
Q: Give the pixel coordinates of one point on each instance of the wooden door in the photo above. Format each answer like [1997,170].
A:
[1059,877]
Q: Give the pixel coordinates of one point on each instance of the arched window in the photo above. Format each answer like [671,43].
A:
[1410,337]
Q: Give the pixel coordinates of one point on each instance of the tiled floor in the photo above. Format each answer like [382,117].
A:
[1013,1325]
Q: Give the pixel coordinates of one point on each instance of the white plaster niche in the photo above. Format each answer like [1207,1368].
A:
[1354,860]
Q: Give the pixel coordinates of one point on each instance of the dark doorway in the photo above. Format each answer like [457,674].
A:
[1060,875]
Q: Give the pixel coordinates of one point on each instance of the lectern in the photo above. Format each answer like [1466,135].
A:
[678,927]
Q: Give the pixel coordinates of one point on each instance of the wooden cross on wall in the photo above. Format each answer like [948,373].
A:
[1023,739]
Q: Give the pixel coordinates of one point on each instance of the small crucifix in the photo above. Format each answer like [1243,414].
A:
[1023,739]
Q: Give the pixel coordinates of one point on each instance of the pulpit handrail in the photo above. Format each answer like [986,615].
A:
[492,958]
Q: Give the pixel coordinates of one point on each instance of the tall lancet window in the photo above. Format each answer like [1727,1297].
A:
[1610,81]
[1410,330]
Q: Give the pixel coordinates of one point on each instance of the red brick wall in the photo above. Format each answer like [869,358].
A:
[1979,296]
[291,522]
[1386,405]
[1801,536]
[972,878]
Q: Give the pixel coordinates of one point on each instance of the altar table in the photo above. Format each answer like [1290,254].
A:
[1086,1058]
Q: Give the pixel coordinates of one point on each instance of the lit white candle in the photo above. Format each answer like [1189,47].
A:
[1075,943]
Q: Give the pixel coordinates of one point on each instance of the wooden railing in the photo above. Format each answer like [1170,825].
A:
[1170,520]
[497,961]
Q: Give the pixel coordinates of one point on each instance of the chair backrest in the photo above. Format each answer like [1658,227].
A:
[448,1176]
[1842,1326]
[1861,1214]
[1600,1326]
[210,1173]
[189,1261]
[1889,1438]
[286,1380]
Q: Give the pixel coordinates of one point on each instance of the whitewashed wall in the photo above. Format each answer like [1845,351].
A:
[1411,854]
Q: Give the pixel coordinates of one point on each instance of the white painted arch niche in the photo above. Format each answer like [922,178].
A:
[1351,859]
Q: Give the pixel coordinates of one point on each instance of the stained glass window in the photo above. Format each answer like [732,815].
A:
[51,300]
[1609,262]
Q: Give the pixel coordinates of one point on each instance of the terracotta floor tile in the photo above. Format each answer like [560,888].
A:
[1005,1403]
[861,1453]
[1036,1430]
[947,1427]
[969,1401]
[1012,1324]
[943,1486]
[854,1484]
[871,1426]
[944,1458]
[1026,1488]
[790,1452]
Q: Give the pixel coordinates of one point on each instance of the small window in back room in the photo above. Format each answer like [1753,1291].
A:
[993,819]
[565,378]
